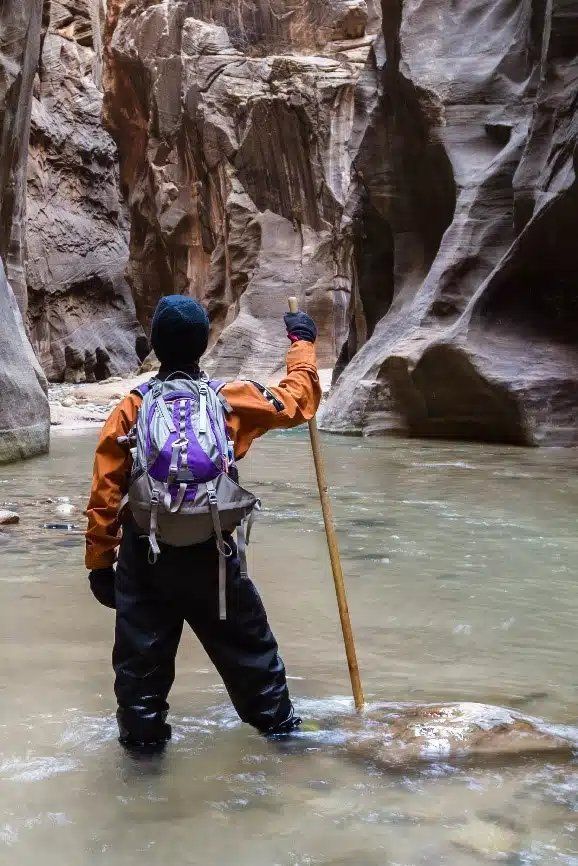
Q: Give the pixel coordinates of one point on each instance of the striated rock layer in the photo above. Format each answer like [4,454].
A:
[470,165]
[24,413]
[80,311]
[237,126]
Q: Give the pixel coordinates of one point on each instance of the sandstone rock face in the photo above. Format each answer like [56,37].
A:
[24,414]
[405,735]
[469,164]
[414,187]
[81,316]
[238,126]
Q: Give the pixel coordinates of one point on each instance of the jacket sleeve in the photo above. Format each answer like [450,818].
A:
[112,464]
[256,410]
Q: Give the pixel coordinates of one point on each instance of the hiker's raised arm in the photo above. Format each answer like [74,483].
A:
[109,483]
[257,408]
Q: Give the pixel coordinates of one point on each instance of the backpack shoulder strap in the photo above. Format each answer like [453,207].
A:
[142,390]
[217,386]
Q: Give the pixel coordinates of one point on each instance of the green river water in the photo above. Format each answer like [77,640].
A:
[461,565]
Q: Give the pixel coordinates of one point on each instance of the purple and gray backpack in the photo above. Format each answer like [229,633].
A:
[181,491]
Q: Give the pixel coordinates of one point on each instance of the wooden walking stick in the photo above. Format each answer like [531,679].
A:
[334,556]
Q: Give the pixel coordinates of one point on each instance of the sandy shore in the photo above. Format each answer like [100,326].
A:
[77,407]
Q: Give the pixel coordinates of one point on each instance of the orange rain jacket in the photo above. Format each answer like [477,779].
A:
[253,414]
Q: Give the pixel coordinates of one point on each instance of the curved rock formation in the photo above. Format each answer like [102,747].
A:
[476,184]
[24,414]
[237,126]
[81,315]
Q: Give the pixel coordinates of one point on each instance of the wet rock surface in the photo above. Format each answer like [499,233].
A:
[469,164]
[402,736]
[80,312]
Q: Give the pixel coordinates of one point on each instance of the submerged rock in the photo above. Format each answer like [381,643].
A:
[8,517]
[396,736]
[486,839]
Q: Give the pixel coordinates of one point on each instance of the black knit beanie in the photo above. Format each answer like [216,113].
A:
[180,330]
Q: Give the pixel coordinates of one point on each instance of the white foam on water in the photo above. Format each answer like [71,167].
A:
[37,769]
[8,835]
[88,733]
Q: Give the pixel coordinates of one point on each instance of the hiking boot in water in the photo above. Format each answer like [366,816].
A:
[139,745]
[143,747]
[283,729]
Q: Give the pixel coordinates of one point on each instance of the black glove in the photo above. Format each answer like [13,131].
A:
[300,326]
[102,585]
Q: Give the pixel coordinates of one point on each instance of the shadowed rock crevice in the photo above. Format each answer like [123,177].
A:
[78,301]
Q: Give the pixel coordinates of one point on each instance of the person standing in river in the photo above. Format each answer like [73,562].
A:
[155,596]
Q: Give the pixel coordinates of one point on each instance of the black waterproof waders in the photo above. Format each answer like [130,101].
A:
[154,601]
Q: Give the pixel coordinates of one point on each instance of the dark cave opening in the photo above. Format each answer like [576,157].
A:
[534,294]
[373,258]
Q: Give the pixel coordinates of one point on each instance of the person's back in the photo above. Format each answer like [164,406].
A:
[155,595]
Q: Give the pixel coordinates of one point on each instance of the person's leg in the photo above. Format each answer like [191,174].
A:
[148,630]
[243,648]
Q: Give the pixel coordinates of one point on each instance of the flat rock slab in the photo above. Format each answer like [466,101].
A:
[399,735]
[8,517]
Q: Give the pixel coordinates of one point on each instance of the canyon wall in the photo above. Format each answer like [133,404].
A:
[408,170]
[237,127]
[411,181]
[80,313]
[24,414]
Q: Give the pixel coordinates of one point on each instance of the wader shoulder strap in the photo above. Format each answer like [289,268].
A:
[222,548]
[155,550]
[243,535]
[242,549]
